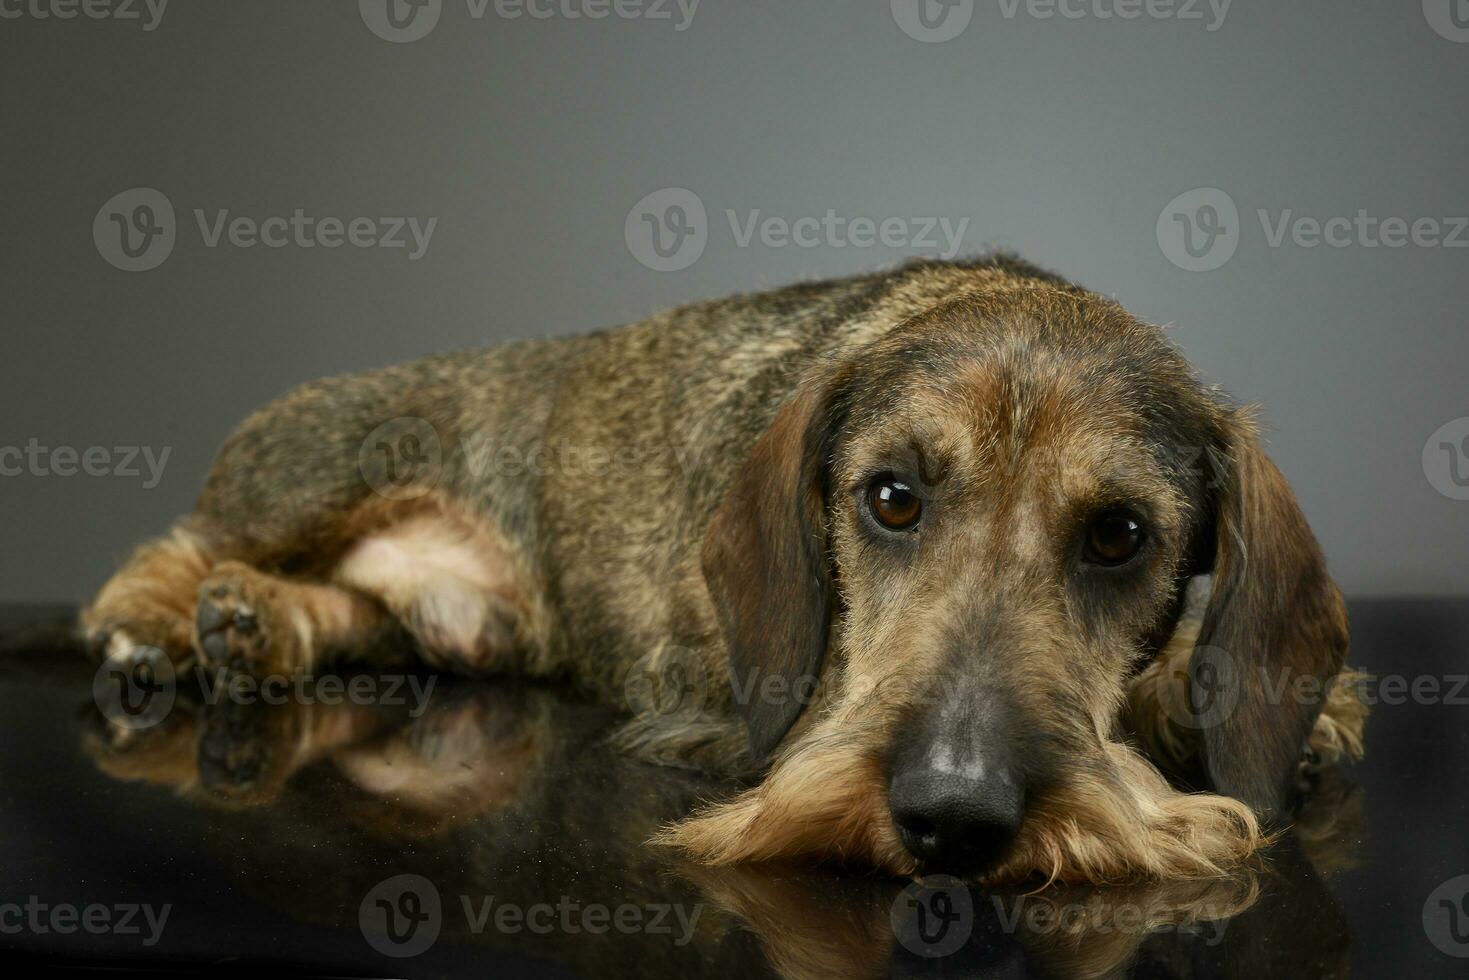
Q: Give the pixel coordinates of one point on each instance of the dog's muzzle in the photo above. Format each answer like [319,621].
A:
[956,793]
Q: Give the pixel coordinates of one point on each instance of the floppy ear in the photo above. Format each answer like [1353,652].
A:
[766,566]
[1274,617]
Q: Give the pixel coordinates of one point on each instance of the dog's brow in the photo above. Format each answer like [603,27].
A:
[931,469]
[1116,471]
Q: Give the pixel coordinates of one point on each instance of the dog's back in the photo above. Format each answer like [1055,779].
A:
[599,458]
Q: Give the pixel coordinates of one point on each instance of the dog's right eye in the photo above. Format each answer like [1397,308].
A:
[894,504]
[1112,539]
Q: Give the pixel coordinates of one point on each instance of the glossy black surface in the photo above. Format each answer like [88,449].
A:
[275,836]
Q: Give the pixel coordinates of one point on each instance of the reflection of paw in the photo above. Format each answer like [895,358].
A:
[234,626]
[233,748]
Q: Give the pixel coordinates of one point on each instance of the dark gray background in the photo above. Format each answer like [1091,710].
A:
[530,141]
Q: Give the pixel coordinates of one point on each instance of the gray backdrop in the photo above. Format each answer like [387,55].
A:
[531,139]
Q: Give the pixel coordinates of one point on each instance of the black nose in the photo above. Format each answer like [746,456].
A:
[956,822]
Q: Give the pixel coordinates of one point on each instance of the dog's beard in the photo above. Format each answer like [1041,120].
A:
[824,797]
[1114,818]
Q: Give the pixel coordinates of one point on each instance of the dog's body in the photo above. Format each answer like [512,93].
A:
[696,492]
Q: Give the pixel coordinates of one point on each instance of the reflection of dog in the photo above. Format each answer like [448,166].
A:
[950,511]
[491,774]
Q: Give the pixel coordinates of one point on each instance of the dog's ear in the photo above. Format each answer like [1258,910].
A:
[1274,617]
[765,562]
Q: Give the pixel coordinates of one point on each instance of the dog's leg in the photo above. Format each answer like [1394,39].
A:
[150,602]
[448,579]
[181,595]
[452,580]
[253,621]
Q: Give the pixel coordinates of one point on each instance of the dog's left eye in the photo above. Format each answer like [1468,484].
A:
[1112,538]
[894,504]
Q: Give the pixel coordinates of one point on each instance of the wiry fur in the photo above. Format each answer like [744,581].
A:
[687,489]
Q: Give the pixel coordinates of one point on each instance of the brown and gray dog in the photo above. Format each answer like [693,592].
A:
[926,536]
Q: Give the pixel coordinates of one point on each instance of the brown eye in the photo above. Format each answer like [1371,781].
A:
[1113,539]
[894,504]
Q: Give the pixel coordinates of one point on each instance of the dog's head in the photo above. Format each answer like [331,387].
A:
[973,531]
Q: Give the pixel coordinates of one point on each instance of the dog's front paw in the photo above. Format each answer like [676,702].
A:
[239,625]
[125,635]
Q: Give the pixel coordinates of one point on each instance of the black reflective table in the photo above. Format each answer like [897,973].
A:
[426,826]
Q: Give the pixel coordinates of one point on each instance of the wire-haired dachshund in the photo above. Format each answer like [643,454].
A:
[911,553]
